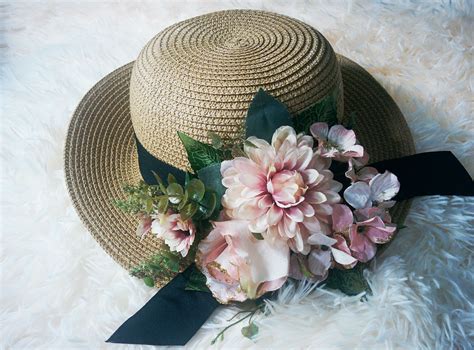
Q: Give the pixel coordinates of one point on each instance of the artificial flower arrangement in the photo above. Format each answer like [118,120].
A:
[269,207]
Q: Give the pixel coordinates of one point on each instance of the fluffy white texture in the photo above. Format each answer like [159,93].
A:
[59,290]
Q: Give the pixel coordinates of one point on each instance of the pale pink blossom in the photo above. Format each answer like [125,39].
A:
[177,233]
[285,190]
[336,142]
[364,235]
[144,226]
[357,171]
[379,190]
[239,266]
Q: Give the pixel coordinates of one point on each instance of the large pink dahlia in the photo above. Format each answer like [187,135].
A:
[284,189]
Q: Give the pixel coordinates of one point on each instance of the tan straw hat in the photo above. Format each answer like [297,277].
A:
[197,76]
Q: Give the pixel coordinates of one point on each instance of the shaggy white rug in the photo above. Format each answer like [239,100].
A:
[59,290]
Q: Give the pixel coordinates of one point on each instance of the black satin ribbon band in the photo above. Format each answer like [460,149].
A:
[174,314]
[171,317]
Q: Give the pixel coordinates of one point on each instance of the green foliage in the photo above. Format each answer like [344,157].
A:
[200,155]
[250,331]
[197,281]
[322,111]
[212,179]
[350,282]
[265,115]
[159,264]
[140,198]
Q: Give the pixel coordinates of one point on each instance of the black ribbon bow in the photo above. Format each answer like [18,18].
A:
[174,314]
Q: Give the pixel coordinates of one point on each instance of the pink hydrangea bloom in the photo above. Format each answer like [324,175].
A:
[379,190]
[238,266]
[177,233]
[336,142]
[284,189]
[364,235]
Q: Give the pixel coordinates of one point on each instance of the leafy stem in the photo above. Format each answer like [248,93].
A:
[248,331]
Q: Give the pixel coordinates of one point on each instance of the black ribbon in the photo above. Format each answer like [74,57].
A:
[174,314]
[171,317]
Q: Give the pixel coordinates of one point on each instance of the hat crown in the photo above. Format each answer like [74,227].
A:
[201,74]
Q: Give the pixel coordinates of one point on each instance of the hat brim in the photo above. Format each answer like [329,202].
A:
[100,154]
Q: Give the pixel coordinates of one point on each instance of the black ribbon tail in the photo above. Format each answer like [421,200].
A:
[171,317]
[425,174]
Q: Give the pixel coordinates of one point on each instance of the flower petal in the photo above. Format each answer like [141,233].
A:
[342,218]
[319,131]
[384,186]
[358,195]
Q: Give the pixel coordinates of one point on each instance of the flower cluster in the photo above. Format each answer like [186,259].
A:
[285,217]
[269,207]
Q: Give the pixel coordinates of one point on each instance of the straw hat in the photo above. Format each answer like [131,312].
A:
[197,76]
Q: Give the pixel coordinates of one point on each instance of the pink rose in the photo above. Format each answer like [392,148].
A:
[238,266]
[178,234]
[284,189]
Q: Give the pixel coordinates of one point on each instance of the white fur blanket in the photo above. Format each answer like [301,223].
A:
[59,290]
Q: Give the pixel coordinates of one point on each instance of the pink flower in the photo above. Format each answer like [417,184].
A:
[337,142]
[380,189]
[357,171]
[144,226]
[284,189]
[178,234]
[336,245]
[238,266]
[313,267]
[363,236]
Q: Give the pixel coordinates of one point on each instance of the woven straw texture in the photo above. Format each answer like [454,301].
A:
[198,76]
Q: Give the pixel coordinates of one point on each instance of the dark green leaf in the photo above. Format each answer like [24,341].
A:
[149,281]
[212,179]
[208,204]
[197,281]
[322,111]
[401,227]
[250,331]
[350,282]
[200,155]
[265,115]
[195,190]
[351,121]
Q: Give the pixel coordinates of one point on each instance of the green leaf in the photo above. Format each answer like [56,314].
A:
[197,281]
[196,190]
[162,204]
[250,331]
[258,235]
[171,179]
[149,281]
[189,210]
[175,192]
[149,205]
[212,179]
[351,121]
[350,282]
[160,182]
[322,111]
[208,204]
[216,140]
[184,200]
[265,115]
[200,155]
